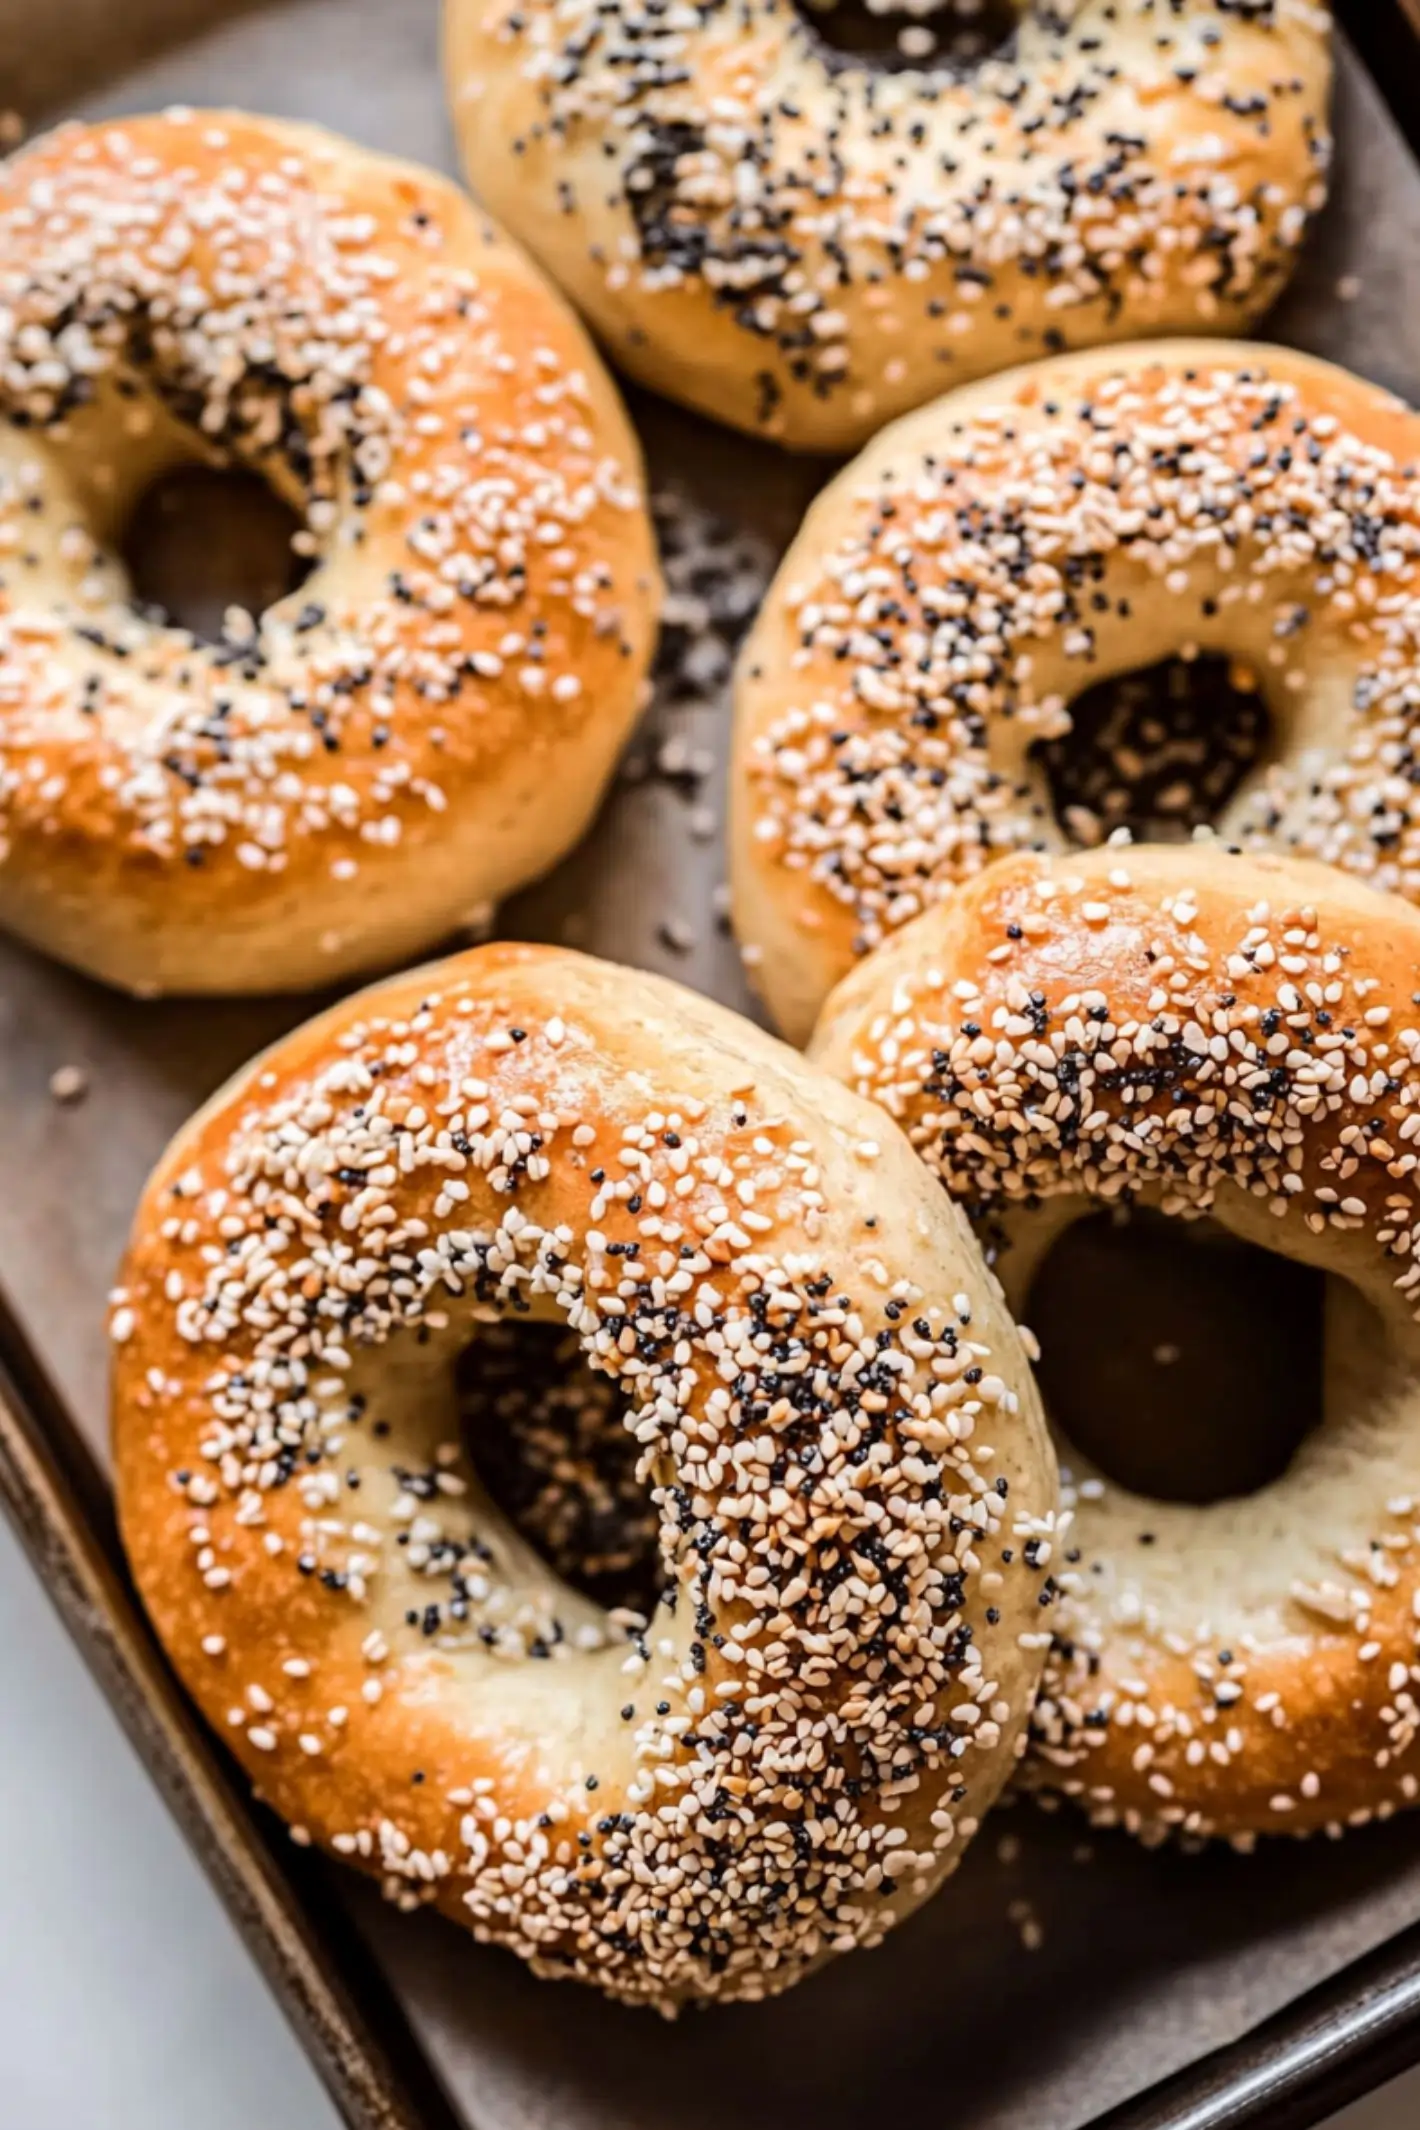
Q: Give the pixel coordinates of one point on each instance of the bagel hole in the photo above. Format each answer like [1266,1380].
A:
[547,1436]
[1185,1364]
[894,34]
[202,541]
[1158,752]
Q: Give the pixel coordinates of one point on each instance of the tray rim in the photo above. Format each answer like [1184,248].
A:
[1334,2045]
[343,2012]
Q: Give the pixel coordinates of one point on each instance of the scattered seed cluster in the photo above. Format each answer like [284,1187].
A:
[956,33]
[350,330]
[797,1745]
[877,236]
[551,1443]
[1157,754]
[1202,1034]
[715,577]
[977,574]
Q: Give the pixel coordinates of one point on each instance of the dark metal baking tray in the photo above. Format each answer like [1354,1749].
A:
[1269,1991]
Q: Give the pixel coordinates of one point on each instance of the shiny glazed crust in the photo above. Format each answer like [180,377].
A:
[1219,1034]
[430,719]
[856,1494]
[805,247]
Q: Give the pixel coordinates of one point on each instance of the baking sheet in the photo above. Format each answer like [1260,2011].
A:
[1144,1961]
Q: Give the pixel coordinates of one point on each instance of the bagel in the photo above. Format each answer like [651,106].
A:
[1212,1034]
[429,720]
[833,1408]
[804,246]
[995,554]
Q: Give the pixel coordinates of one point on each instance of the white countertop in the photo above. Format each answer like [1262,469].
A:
[127,2002]
[126,1999]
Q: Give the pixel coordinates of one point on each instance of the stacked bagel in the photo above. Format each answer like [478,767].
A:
[784,1289]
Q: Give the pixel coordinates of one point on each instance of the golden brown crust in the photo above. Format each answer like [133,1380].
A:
[1220,1034]
[831,1402]
[805,247]
[990,557]
[429,721]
